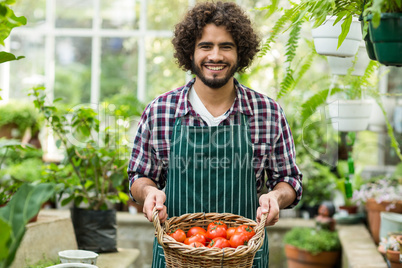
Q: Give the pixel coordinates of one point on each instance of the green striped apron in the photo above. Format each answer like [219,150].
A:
[210,170]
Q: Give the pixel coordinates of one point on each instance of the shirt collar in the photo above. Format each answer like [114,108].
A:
[242,102]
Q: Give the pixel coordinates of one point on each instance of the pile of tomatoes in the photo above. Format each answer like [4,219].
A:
[217,235]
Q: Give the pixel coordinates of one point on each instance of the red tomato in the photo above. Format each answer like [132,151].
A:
[194,230]
[196,238]
[229,232]
[217,223]
[238,239]
[219,242]
[197,245]
[178,234]
[248,230]
[216,231]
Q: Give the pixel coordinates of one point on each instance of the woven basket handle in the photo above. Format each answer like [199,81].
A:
[259,231]
[157,225]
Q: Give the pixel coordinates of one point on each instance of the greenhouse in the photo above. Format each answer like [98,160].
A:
[200,133]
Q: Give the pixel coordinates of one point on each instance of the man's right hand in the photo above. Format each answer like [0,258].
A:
[154,198]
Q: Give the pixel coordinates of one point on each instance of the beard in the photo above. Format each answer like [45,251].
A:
[213,82]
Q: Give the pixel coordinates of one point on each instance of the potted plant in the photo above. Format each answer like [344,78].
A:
[20,120]
[380,194]
[390,247]
[92,173]
[308,247]
[384,29]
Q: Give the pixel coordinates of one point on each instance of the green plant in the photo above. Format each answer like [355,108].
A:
[318,182]
[24,204]
[376,7]
[312,240]
[8,21]
[12,172]
[93,169]
[22,114]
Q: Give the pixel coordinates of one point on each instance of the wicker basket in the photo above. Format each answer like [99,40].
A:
[179,255]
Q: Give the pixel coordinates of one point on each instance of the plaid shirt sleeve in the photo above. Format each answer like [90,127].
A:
[282,163]
[144,161]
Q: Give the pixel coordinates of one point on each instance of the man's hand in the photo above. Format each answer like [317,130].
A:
[155,198]
[146,193]
[268,204]
[282,196]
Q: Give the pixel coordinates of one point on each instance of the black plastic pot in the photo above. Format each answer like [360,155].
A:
[387,38]
[95,230]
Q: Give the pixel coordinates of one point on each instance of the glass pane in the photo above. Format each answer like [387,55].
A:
[73,69]
[33,10]
[164,14]
[27,72]
[74,13]
[128,14]
[163,74]
[119,65]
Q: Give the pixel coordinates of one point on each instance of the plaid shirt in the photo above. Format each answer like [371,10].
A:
[273,145]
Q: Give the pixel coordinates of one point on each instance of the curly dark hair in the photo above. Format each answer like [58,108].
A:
[226,14]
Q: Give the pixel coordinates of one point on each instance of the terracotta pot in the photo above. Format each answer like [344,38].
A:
[393,257]
[297,258]
[350,209]
[374,215]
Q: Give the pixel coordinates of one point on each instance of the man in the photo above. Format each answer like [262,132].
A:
[204,147]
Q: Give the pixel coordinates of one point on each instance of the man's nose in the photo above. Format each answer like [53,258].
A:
[215,55]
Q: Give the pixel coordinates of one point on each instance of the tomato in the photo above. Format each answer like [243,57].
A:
[178,234]
[196,238]
[197,245]
[194,230]
[248,230]
[219,242]
[217,223]
[229,232]
[216,231]
[238,239]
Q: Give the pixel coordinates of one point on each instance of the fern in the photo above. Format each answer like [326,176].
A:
[287,83]
[310,106]
[288,16]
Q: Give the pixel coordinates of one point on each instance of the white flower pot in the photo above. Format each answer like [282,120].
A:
[350,115]
[78,256]
[340,66]
[326,38]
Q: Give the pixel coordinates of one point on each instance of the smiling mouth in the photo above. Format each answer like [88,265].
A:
[214,68]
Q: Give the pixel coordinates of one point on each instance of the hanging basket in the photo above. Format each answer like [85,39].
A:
[340,66]
[326,38]
[179,255]
[387,39]
[350,115]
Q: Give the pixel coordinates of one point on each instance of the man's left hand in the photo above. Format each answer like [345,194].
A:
[268,204]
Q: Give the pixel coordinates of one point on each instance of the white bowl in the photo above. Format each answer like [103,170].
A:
[78,256]
[73,265]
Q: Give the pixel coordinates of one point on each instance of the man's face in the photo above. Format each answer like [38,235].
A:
[215,56]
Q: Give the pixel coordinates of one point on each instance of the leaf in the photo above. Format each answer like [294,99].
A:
[345,30]
[5,56]
[4,240]
[23,206]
